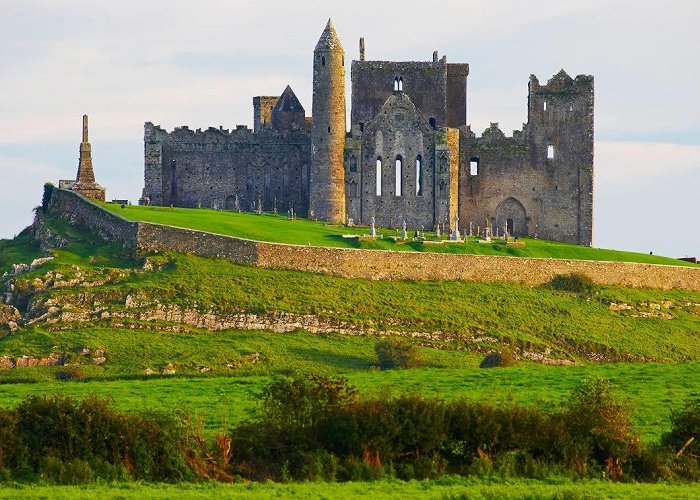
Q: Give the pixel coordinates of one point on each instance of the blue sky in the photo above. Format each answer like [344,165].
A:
[200,64]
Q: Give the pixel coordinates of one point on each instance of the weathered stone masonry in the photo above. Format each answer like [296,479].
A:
[409,156]
[146,237]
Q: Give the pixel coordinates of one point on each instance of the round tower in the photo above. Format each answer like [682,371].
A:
[327,175]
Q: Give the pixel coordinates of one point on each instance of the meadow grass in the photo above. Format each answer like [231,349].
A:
[539,316]
[446,487]
[20,250]
[276,228]
[230,394]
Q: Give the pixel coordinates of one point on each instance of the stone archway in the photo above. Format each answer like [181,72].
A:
[511,213]
[230,203]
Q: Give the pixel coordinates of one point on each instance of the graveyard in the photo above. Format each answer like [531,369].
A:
[279,228]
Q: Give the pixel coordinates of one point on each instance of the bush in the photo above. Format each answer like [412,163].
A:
[10,444]
[503,358]
[46,197]
[685,424]
[396,353]
[70,373]
[68,440]
[300,402]
[599,423]
[574,282]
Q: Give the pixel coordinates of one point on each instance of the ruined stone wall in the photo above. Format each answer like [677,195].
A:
[386,265]
[435,88]
[366,264]
[215,167]
[551,198]
[153,139]
[159,238]
[262,111]
[79,210]
[457,94]
[399,131]
[560,114]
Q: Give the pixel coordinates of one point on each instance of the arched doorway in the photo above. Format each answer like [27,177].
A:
[230,203]
[511,214]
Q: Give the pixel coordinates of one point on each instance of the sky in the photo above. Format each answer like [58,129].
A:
[199,63]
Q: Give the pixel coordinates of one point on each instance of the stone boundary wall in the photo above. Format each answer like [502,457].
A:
[368,264]
[382,264]
[160,238]
[108,225]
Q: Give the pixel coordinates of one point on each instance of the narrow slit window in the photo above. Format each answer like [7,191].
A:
[419,176]
[378,177]
[474,166]
[544,106]
[399,175]
[550,152]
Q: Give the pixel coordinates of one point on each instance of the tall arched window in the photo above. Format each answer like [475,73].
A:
[401,84]
[396,83]
[419,176]
[399,175]
[550,152]
[378,177]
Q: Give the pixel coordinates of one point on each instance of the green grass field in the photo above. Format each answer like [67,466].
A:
[229,394]
[277,228]
[445,488]
[21,250]
[464,320]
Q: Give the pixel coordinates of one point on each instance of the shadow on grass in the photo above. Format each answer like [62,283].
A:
[338,360]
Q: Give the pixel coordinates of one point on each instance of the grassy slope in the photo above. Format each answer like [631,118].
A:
[230,393]
[540,315]
[448,487]
[21,250]
[301,231]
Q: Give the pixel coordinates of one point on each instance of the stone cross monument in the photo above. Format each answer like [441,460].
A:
[455,231]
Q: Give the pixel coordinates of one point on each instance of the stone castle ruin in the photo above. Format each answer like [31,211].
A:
[409,157]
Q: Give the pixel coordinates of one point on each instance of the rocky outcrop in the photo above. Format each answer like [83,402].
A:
[9,317]
[90,356]
[18,269]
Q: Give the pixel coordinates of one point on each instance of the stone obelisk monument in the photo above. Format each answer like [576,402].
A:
[85,182]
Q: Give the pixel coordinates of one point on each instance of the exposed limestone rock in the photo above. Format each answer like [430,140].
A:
[39,262]
[168,369]
[621,306]
[8,314]
[54,359]
[7,362]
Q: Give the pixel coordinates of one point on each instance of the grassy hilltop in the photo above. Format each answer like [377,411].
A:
[174,312]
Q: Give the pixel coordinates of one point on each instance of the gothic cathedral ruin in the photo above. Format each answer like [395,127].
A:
[409,156]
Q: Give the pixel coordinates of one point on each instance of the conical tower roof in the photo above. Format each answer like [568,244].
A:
[288,101]
[329,39]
